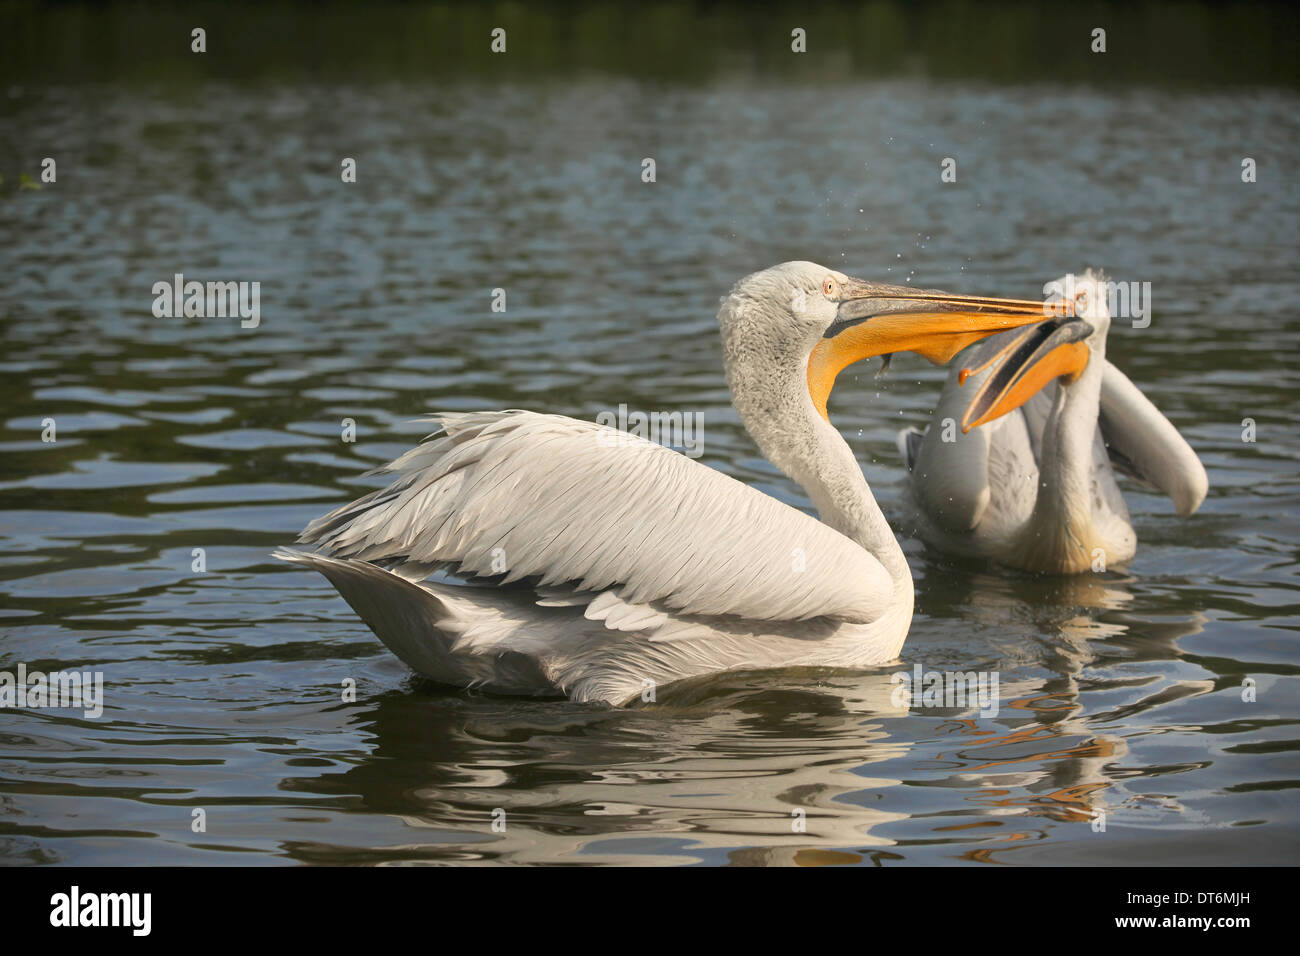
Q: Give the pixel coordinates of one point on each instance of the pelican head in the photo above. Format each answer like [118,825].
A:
[1062,347]
[800,317]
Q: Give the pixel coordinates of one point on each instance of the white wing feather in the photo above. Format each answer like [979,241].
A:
[1146,445]
[575,505]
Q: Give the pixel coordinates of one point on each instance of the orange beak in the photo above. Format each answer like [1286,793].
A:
[1021,367]
[878,319]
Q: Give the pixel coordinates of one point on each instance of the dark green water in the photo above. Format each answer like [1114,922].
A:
[1121,692]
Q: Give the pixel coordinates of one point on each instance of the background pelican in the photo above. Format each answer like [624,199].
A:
[1036,488]
[604,566]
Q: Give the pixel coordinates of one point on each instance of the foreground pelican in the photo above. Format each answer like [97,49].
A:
[1036,489]
[606,568]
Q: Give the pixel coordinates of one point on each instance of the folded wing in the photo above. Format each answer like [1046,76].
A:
[577,506]
[1145,445]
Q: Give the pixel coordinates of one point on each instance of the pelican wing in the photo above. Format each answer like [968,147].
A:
[950,470]
[1144,444]
[567,504]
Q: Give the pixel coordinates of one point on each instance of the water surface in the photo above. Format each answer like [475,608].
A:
[1121,692]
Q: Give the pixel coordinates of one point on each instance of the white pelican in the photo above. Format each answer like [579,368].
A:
[1036,489]
[604,568]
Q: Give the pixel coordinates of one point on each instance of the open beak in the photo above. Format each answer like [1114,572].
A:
[1052,349]
[878,319]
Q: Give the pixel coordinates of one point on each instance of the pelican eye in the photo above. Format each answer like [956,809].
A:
[830,287]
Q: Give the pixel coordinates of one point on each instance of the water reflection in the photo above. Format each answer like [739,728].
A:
[733,761]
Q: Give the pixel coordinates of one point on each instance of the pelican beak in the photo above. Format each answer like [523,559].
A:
[1032,358]
[877,319]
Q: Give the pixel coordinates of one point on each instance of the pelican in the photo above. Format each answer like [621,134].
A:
[601,570]
[1036,489]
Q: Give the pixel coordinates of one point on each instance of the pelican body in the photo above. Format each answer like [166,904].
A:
[566,564]
[1029,480]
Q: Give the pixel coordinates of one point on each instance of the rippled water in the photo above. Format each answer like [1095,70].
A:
[1120,692]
